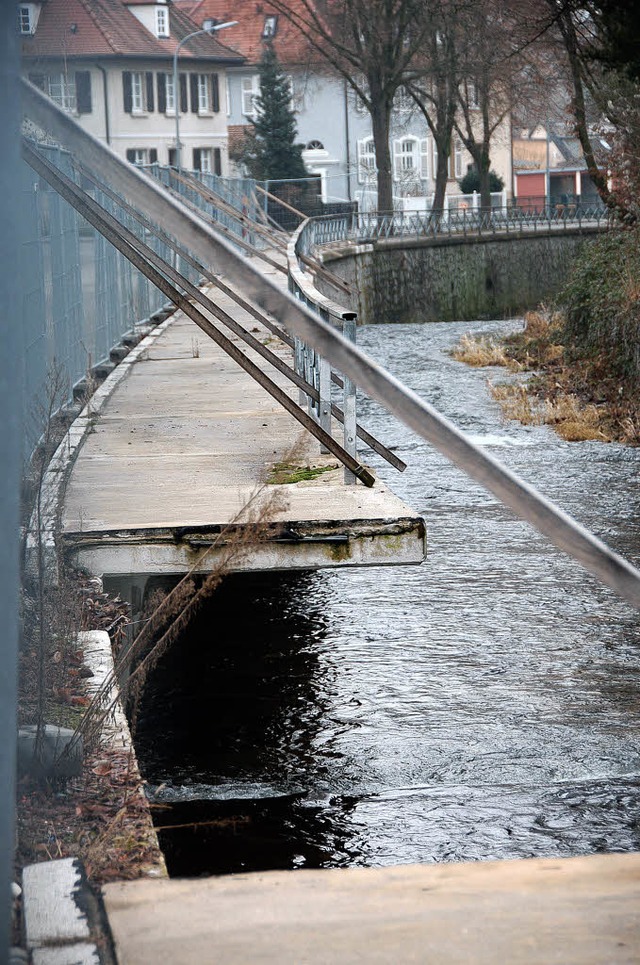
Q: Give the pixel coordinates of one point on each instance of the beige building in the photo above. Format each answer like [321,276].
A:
[109,63]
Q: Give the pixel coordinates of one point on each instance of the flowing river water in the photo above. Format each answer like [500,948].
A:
[483,705]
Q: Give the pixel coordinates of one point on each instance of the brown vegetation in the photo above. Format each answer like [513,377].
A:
[576,394]
[100,816]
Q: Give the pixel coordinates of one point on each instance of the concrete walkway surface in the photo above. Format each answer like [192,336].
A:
[575,911]
[187,439]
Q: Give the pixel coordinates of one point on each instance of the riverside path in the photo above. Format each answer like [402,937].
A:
[187,445]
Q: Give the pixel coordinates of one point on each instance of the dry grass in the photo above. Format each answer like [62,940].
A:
[576,396]
[480,351]
[573,420]
[516,403]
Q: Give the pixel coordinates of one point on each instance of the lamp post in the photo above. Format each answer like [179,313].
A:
[176,92]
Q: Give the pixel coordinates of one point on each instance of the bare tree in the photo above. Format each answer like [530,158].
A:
[373,45]
[433,86]
[489,42]
[595,42]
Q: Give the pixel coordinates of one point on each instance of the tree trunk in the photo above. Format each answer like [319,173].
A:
[380,121]
[483,161]
[598,177]
[442,175]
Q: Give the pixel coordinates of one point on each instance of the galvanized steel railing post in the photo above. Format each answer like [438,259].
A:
[349,399]
[324,388]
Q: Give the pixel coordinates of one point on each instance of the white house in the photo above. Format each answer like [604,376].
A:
[110,64]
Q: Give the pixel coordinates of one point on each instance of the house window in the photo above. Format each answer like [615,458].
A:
[204,100]
[470,93]
[250,91]
[366,161]
[270,26]
[202,159]
[162,22]
[172,157]
[169,94]
[142,155]
[209,23]
[402,100]
[457,159]
[315,146]
[406,158]
[24,19]
[208,160]
[62,89]
[205,93]
[137,93]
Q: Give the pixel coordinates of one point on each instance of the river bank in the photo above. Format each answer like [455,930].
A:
[576,392]
[100,816]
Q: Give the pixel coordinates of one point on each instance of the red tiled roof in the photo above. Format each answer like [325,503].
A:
[106,28]
[290,45]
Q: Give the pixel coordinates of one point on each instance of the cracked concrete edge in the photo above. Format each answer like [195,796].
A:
[65,455]
[61,920]
[115,730]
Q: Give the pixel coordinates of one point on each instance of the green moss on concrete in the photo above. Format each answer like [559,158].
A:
[285,474]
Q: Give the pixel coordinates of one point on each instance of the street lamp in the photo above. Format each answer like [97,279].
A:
[176,93]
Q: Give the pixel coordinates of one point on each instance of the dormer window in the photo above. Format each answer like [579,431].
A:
[162,22]
[28,14]
[270,26]
[24,19]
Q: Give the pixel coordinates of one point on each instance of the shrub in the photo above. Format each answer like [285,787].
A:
[601,302]
[471,182]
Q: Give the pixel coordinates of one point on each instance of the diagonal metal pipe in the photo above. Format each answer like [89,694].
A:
[522,498]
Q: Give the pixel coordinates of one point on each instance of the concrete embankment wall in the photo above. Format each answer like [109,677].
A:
[457,278]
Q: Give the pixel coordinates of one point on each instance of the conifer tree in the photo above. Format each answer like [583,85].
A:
[270,151]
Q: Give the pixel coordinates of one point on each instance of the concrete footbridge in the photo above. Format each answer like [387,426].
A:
[229,433]
[262,290]
[188,454]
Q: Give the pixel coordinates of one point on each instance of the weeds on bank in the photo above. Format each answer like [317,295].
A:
[102,816]
[573,393]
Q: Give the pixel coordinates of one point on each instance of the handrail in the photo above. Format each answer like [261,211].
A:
[421,417]
[364,228]
[255,344]
[144,258]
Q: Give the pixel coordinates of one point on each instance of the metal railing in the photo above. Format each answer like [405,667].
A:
[362,228]
[417,414]
[247,227]
[79,295]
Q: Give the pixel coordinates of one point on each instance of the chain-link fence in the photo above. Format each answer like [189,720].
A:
[79,296]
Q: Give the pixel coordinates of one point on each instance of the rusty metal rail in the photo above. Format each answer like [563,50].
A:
[225,318]
[144,258]
[422,418]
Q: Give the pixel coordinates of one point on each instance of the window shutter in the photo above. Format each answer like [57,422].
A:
[215,93]
[183,94]
[149,78]
[397,160]
[126,88]
[83,91]
[424,158]
[153,156]
[162,93]
[193,82]
[217,160]
[131,154]
[361,167]
[37,80]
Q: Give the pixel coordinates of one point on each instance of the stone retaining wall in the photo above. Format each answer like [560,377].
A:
[455,278]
